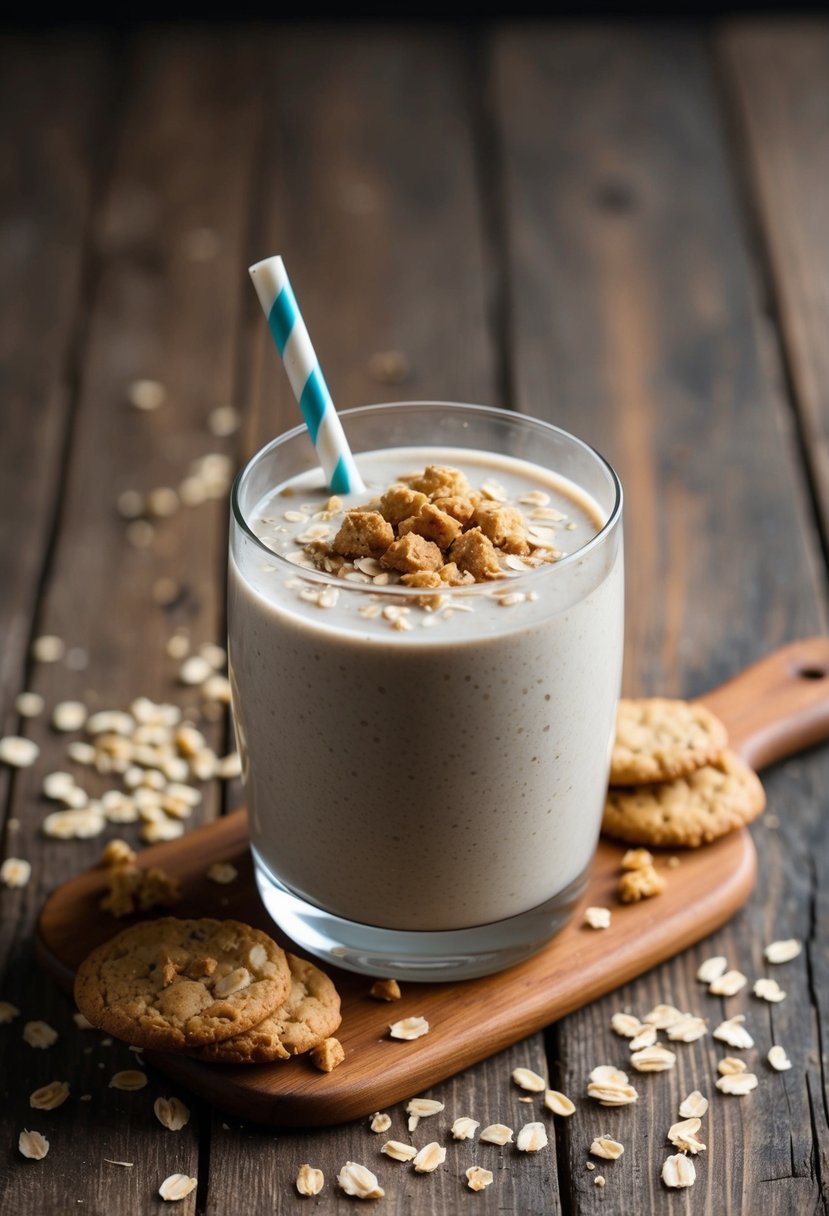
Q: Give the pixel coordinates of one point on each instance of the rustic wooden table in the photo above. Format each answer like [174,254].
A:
[622,230]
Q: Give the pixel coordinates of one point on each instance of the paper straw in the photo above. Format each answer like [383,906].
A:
[288,328]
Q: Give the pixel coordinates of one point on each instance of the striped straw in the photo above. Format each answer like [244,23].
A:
[288,328]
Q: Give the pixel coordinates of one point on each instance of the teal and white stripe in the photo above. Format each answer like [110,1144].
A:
[288,328]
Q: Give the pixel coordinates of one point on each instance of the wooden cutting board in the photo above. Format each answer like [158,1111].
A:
[772,710]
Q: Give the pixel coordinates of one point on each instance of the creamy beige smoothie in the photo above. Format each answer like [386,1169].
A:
[435,763]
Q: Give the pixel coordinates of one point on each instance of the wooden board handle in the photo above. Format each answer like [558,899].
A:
[779,706]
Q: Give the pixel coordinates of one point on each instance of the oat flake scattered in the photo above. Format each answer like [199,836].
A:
[646,1037]
[688,1029]
[663,1016]
[778,1059]
[380,1122]
[356,1180]
[603,1146]
[727,984]
[769,990]
[39,1034]
[683,1135]
[128,1079]
[465,1128]
[29,704]
[477,1178]
[146,394]
[559,1103]
[734,1033]
[69,715]
[177,1186]
[429,1158]
[712,969]
[172,1113]
[15,872]
[17,752]
[409,1028]
[729,1066]
[309,1181]
[48,649]
[694,1106]
[597,918]
[653,1059]
[398,1151]
[525,1078]
[737,1083]
[626,1025]
[222,872]
[33,1145]
[49,1097]
[678,1171]
[8,1012]
[783,951]
[496,1133]
[531,1138]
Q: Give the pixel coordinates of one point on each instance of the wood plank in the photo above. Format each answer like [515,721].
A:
[635,323]
[570,971]
[168,246]
[50,174]
[776,79]
[369,186]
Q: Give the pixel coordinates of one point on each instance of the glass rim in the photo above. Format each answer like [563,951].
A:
[547,571]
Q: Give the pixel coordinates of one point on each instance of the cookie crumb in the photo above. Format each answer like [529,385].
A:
[328,1054]
[597,918]
[385,990]
[642,883]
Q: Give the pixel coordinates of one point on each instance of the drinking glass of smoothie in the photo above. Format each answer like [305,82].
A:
[425,678]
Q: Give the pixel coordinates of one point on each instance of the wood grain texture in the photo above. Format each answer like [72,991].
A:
[155,312]
[776,78]
[706,888]
[704,891]
[590,173]
[636,322]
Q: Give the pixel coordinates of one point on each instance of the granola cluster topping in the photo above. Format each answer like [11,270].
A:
[431,530]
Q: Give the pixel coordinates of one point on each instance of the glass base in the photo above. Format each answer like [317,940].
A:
[452,954]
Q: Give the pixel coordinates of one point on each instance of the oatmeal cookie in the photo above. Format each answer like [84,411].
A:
[170,984]
[310,1014]
[688,811]
[658,739]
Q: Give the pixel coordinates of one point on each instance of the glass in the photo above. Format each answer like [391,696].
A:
[425,802]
